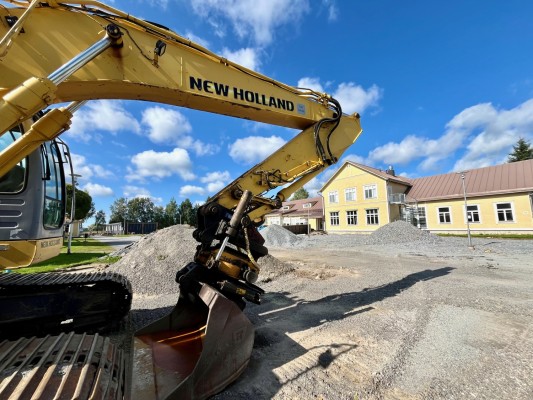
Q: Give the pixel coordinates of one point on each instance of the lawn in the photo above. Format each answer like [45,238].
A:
[82,251]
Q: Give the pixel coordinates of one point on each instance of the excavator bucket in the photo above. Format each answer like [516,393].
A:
[194,352]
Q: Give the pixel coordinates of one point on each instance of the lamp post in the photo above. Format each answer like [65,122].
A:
[125,210]
[466,209]
[72,207]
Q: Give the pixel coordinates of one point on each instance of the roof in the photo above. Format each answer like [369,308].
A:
[373,171]
[498,179]
[294,208]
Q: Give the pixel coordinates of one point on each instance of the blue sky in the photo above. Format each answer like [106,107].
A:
[440,86]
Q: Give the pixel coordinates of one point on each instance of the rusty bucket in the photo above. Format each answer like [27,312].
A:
[194,352]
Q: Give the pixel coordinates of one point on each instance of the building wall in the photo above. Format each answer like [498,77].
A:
[352,177]
[521,209]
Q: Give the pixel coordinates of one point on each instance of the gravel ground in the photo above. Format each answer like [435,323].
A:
[399,314]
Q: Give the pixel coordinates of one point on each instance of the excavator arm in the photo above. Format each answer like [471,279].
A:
[54,52]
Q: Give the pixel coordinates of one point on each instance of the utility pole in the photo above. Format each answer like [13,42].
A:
[72,207]
[466,210]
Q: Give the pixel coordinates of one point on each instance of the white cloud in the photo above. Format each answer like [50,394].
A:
[170,127]
[253,149]
[214,181]
[97,190]
[131,192]
[331,7]
[158,165]
[190,190]
[311,83]
[247,57]
[196,39]
[101,115]
[259,19]
[87,170]
[352,97]
[489,133]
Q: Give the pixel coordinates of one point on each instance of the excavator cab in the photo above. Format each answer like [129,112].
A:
[32,204]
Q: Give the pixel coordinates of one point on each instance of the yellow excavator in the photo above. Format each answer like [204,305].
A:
[53,52]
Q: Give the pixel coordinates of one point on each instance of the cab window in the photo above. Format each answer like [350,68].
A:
[54,195]
[15,180]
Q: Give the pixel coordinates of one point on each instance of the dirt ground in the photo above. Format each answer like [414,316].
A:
[353,324]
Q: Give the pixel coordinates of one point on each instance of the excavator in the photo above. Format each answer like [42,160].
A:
[54,53]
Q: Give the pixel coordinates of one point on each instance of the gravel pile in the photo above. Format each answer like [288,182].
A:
[151,263]
[401,232]
[278,236]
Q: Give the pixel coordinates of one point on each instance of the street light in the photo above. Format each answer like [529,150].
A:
[466,209]
[72,207]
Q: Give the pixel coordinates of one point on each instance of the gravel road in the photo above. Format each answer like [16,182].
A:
[400,314]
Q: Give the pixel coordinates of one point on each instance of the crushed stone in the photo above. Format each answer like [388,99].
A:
[151,263]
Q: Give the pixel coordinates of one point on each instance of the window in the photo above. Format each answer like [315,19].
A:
[421,218]
[351,217]
[307,205]
[372,216]
[53,193]
[445,216]
[472,214]
[334,218]
[14,180]
[349,194]
[371,191]
[286,207]
[504,212]
[334,197]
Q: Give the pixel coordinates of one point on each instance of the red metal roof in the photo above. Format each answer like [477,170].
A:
[295,208]
[498,179]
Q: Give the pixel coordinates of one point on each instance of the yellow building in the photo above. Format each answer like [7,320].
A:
[360,199]
[499,199]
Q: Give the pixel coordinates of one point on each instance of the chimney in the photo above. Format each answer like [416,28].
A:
[390,171]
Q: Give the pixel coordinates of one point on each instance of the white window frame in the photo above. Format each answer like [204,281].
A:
[512,211]
[286,208]
[306,205]
[373,188]
[333,195]
[372,216]
[449,212]
[350,191]
[422,210]
[478,212]
[334,215]
[351,219]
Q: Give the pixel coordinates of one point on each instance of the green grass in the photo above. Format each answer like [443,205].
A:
[489,236]
[82,252]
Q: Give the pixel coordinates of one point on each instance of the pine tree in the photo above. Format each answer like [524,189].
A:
[521,151]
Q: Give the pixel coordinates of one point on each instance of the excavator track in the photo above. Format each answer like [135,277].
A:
[50,303]
[67,366]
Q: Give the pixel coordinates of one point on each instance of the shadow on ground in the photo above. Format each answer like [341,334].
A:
[281,314]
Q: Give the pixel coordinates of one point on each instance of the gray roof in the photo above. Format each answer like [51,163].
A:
[498,179]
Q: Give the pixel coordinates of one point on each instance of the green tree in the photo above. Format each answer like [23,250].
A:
[141,209]
[99,219]
[119,210]
[160,217]
[172,213]
[188,214]
[84,206]
[521,151]
[300,194]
